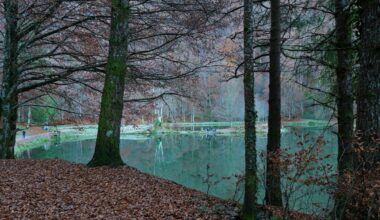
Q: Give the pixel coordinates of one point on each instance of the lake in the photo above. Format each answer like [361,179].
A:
[214,164]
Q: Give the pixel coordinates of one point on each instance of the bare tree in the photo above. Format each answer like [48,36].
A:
[273,178]
[249,210]
[37,52]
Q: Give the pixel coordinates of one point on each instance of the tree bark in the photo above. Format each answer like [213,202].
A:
[107,150]
[273,176]
[9,96]
[368,98]
[344,82]
[250,116]
[10,130]
[345,97]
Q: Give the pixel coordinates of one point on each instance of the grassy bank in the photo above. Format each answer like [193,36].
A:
[39,141]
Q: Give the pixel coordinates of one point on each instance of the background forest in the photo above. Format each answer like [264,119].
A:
[209,56]
[293,84]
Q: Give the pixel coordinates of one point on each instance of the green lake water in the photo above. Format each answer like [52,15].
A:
[212,164]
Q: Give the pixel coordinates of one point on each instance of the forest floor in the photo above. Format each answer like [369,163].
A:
[56,189]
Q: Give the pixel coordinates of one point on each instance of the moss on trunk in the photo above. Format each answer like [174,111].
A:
[108,139]
[8,94]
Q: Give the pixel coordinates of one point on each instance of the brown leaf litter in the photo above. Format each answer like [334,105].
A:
[56,189]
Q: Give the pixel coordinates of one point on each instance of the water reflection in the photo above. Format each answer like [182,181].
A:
[159,158]
[46,146]
[212,164]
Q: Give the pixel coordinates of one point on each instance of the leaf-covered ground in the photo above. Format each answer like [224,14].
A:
[56,189]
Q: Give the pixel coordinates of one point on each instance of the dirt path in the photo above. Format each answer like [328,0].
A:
[31,134]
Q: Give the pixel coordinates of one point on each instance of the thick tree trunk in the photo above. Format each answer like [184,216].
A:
[368,99]
[273,178]
[9,97]
[250,116]
[345,96]
[108,139]
[9,120]
[344,82]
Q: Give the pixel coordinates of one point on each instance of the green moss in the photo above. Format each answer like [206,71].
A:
[116,66]
[246,216]
[251,180]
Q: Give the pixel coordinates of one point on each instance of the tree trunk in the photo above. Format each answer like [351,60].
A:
[249,210]
[9,126]
[273,193]
[368,99]
[8,136]
[108,139]
[9,97]
[344,81]
[29,116]
[345,96]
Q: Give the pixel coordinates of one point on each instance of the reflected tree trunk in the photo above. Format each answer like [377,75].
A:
[29,117]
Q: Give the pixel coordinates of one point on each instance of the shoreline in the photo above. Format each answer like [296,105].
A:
[83,132]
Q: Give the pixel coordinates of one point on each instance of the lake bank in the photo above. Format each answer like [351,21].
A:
[36,137]
[63,190]
[57,189]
